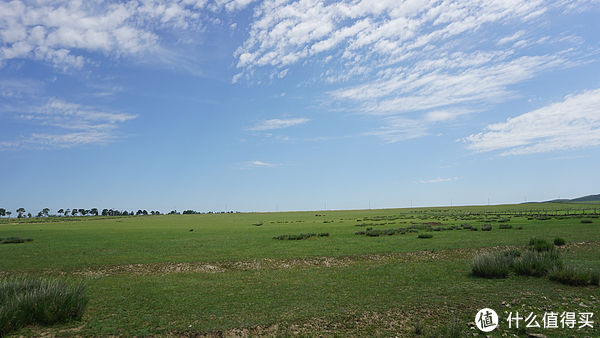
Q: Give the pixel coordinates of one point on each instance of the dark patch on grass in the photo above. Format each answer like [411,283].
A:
[425,236]
[558,241]
[14,240]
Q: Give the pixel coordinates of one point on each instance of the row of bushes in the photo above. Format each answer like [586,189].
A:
[25,301]
[300,236]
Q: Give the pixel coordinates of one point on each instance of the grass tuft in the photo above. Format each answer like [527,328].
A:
[570,275]
[537,263]
[491,265]
[425,236]
[25,301]
[540,245]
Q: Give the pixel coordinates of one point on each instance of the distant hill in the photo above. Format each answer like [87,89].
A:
[589,198]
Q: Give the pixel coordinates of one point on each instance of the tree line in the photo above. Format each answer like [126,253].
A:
[21,212]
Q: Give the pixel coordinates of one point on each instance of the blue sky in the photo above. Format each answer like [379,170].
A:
[293,105]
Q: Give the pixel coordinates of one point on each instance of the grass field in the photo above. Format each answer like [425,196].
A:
[224,274]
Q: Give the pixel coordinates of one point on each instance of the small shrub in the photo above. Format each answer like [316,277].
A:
[570,275]
[25,301]
[559,241]
[486,227]
[520,227]
[491,265]
[258,224]
[586,221]
[324,234]
[505,226]
[540,245]
[425,236]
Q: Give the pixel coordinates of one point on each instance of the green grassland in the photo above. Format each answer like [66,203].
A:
[224,274]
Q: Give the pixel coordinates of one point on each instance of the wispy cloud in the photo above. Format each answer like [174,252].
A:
[278,124]
[572,123]
[438,180]
[258,164]
[62,124]
[407,56]
[399,129]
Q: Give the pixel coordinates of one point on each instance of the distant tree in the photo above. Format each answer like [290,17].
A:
[104,212]
[40,214]
[73,212]
[139,212]
[2,212]
[82,212]
[45,211]
[29,215]
[20,211]
[94,211]
[67,212]
[145,212]
[8,213]
[61,211]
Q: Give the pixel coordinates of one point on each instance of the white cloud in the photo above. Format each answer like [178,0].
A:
[61,31]
[438,180]
[278,124]
[570,124]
